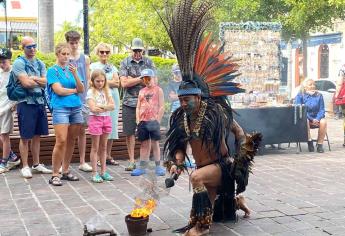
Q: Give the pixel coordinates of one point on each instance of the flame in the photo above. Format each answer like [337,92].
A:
[143,208]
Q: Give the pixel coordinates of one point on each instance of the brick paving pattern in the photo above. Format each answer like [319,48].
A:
[289,194]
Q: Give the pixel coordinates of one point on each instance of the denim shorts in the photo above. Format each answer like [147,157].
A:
[149,130]
[67,115]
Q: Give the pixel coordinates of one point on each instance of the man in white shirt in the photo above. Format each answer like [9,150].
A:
[9,159]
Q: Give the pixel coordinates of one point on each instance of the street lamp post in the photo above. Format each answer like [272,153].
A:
[86,26]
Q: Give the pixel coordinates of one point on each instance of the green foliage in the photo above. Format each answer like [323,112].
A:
[163,65]
[49,59]
[297,17]
[126,19]
[59,36]
[310,15]
[116,59]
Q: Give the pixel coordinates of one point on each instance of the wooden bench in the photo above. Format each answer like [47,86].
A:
[119,150]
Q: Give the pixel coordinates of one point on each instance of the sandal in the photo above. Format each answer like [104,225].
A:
[55,181]
[69,177]
[131,166]
[107,177]
[97,178]
[111,162]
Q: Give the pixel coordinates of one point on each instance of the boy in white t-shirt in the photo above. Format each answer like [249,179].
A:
[9,159]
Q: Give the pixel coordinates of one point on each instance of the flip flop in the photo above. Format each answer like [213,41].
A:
[69,177]
[55,181]
[111,162]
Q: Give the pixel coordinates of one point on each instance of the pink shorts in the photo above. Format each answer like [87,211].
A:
[99,125]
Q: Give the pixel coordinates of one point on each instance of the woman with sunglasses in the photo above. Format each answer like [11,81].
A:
[103,52]
[65,84]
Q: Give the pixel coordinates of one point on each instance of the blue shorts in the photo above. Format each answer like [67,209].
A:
[32,120]
[148,130]
[67,115]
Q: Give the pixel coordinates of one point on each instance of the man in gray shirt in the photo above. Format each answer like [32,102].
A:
[130,71]
[32,116]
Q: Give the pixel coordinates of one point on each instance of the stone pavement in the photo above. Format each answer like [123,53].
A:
[289,194]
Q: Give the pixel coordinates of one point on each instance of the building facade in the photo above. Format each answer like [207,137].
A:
[17,18]
[325,56]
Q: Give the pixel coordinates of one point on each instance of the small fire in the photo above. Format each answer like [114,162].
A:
[143,208]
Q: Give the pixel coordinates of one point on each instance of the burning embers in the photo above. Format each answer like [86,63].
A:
[143,208]
[139,217]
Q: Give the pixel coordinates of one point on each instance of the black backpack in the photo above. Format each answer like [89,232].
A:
[15,90]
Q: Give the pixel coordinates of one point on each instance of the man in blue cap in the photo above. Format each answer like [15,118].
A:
[149,113]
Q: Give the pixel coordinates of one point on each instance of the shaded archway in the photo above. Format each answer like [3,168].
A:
[323,61]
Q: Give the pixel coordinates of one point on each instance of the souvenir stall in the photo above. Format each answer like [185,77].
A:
[263,108]
[256,47]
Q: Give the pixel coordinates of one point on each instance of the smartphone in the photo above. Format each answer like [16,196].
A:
[72,62]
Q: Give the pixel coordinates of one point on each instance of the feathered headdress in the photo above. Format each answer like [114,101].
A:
[205,69]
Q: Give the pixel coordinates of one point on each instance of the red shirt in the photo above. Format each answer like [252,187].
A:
[149,103]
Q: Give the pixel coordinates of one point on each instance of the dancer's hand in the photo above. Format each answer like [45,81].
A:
[175,170]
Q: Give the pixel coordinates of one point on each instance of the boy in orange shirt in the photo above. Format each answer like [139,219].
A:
[149,113]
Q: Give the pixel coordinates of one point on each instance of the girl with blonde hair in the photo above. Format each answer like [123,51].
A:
[100,102]
[65,84]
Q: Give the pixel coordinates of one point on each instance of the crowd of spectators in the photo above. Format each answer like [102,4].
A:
[82,97]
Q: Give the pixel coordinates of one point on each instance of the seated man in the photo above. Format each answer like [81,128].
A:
[315,112]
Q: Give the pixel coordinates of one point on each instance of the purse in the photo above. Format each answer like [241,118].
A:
[340,99]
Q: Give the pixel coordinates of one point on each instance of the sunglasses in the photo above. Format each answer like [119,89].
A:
[31,46]
[137,50]
[104,52]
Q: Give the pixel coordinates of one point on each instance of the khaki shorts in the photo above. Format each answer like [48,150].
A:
[6,123]
[128,120]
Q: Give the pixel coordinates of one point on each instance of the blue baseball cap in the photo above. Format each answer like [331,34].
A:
[147,73]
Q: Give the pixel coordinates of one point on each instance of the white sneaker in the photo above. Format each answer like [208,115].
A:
[41,169]
[26,172]
[85,167]
[12,164]
[3,168]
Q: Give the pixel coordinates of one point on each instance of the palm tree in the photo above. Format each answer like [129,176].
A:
[46,25]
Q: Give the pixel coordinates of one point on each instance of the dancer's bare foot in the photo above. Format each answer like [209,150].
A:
[195,231]
[241,204]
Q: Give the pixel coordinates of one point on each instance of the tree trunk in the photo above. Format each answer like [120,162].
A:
[305,57]
[46,25]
